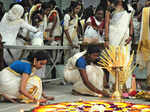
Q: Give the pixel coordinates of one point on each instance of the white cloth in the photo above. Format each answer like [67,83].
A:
[15,12]
[36,38]
[95,75]
[90,33]
[11,24]
[24,31]
[57,30]
[10,29]
[10,84]
[71,26]
[118,33]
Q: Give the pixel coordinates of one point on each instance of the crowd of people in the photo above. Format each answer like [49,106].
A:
[32,22]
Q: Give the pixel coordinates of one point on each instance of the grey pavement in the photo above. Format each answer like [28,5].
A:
[62,93]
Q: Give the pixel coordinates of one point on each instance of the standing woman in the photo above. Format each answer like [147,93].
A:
[19,82]
[119,30]
[70,37]
[54,23]
[95,27]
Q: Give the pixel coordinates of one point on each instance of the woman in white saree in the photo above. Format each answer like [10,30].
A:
[19,82]
[95,27]
[143,52]
[119,31]
[70,37]
[86,76]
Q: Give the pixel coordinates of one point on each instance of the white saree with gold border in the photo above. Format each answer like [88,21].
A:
[10,84]
[95,75]
[70,25]
[143,52]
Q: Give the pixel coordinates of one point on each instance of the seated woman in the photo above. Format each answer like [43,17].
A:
[18,82]
[86,76]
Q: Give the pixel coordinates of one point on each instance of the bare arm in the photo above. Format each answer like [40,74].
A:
[23,90]
[66,27]
[131,27]
[107,21]
[68,37]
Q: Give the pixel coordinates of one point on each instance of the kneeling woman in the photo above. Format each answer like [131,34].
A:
[86,76]
[19,82]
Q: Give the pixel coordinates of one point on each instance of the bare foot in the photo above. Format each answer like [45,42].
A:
[9,99]
[50,98]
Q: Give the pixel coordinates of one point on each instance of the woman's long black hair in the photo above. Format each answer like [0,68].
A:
[125,5]
[53,4]
[72,6]
[88,12]
[105,6]
[39,55]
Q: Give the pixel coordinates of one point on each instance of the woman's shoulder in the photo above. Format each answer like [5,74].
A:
[21,62]
[82,59]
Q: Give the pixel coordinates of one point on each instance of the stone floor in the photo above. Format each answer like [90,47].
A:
[62,93]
